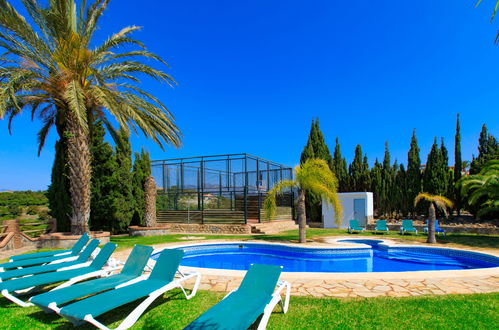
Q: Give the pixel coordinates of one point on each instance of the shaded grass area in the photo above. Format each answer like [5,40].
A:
[470,240]
[172,311]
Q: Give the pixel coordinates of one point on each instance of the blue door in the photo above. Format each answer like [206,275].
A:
[359,210]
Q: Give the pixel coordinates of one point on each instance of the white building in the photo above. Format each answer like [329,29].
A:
[356,205]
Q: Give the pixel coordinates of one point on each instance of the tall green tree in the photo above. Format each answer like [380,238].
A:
[431,182]
[315,148]
[400,197]
[376,184]
[123,201]
[458,166]
[57,69]
[359,171]
[413,174]
[104,183]
[488,149]
[141,171]
[58,191]
[339,168]
[444,172]
[387,177]
[313,175]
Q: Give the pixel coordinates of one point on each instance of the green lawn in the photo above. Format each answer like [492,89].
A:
[471,240]
[172,311]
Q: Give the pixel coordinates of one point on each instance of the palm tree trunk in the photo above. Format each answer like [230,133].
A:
[79,159]
[431,225]
[302,218]
[150,202]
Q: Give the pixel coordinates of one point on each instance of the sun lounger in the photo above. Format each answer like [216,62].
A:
[407,227]
[80,262]
[381,226]
[77,247]
[73,255]
[255,296]
[26,285]
[354,226]
[437,228]
[160,281]
[132,271]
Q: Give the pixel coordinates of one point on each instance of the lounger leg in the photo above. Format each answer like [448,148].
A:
[15,300]
[196,284]
[267,312]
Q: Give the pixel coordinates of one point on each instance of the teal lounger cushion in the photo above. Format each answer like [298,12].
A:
[162,274]
[74,250]
[83,257]
[133,268]
[241,308]
[54,277]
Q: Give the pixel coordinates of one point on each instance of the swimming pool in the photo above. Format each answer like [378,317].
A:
[373,256]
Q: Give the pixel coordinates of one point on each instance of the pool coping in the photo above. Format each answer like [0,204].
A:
[334,243]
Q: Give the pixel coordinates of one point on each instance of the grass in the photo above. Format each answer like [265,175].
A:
[172,311]
[457,239]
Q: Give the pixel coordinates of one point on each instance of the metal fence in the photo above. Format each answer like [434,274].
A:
[235,182]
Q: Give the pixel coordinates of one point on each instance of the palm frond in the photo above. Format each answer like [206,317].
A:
[270,203]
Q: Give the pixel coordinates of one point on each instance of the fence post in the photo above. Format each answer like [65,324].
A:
[12,226]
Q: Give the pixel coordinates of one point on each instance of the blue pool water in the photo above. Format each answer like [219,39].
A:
[372,258]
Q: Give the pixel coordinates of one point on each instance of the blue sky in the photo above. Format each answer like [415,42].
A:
[253,74]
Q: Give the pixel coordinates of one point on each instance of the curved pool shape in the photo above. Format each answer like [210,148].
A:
[374,257]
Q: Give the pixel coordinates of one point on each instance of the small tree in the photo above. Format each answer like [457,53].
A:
[315,177]
[436,201]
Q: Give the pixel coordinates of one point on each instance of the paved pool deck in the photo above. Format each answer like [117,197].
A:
[391,284]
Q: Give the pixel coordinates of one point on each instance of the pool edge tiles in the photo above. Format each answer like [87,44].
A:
[388,284]
[350,259]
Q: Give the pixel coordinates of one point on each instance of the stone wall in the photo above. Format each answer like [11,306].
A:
[210,228]
[192,228]
[148,231]
[66,240]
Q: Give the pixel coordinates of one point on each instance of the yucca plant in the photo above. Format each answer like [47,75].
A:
[436,202]
[313,176]
[482,189]
[51,68]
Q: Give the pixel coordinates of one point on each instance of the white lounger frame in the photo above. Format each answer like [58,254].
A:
[12,296]
[276,299]
[141,308]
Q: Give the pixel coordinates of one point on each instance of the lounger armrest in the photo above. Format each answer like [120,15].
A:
[281,285]
[84,264]
[135,280]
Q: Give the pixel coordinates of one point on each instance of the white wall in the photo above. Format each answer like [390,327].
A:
[347,201]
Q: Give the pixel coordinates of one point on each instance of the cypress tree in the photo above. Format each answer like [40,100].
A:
[458,167]
[386,181]
[443,170]
[103,184]
[376,184]
[315,148]
[141,171]
[413,174]
[366,174]
[487,149]
[431,182]
[355,170]
[402,199]
[339,168]
[58,191]
[124,203]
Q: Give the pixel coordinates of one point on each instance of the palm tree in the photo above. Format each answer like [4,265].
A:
[436,202]
[313,176]
[50,68]
[482,189]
